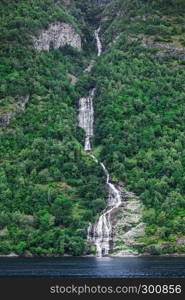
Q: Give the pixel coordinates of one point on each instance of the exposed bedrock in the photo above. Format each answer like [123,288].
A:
[57,35]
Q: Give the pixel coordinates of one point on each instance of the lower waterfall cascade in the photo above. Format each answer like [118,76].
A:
[99,233]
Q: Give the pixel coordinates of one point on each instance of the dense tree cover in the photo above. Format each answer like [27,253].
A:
[140,127]
[49,188]
[20,63]
[159,20]
[44,172]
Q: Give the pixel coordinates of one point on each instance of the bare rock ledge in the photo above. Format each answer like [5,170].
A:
[57,35]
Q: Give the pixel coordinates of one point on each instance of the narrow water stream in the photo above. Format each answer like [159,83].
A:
[86,117]
[99,233]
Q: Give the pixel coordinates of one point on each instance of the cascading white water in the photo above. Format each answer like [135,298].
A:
[86,111]
[99,48]
[99,233]
[98,42]
[86,118]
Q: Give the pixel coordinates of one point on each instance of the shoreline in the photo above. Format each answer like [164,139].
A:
[13,255]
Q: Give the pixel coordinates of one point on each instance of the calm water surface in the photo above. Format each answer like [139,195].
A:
[94,267]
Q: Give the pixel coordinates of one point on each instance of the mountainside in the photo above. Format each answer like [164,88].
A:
[50,188]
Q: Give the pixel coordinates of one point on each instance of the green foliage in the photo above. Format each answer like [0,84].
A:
[49,188]
[44,200]
[140,121]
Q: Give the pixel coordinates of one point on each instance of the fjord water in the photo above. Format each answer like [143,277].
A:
[106,267]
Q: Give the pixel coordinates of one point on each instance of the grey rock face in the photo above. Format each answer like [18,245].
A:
[180,241]
[72,78]
[57,35]
[6,118]
[164,49]
[127,226]
[89,67]
[169,50]
[119,229]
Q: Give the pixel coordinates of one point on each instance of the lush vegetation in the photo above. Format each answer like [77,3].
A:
[140,127]
[49,188]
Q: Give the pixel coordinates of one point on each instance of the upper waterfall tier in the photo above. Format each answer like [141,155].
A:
[86,112]
[98,42]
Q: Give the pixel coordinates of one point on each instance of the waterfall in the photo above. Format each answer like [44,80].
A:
[86,111]
[99,233]
[99,48]
[98,42]
[86,117]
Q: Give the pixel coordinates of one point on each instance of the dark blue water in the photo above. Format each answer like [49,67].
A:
[94,267]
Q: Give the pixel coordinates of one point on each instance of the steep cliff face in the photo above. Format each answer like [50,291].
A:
[57,35]
[5,118]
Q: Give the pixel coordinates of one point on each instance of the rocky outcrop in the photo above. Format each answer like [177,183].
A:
[89,67]
[3,232]
[127,226]
[72,78]
[12,254]
[57,35]
[116,38]
[180,241]
[162,49]
[168,50]
[5,118]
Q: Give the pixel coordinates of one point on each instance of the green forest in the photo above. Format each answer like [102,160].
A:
[50,189]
